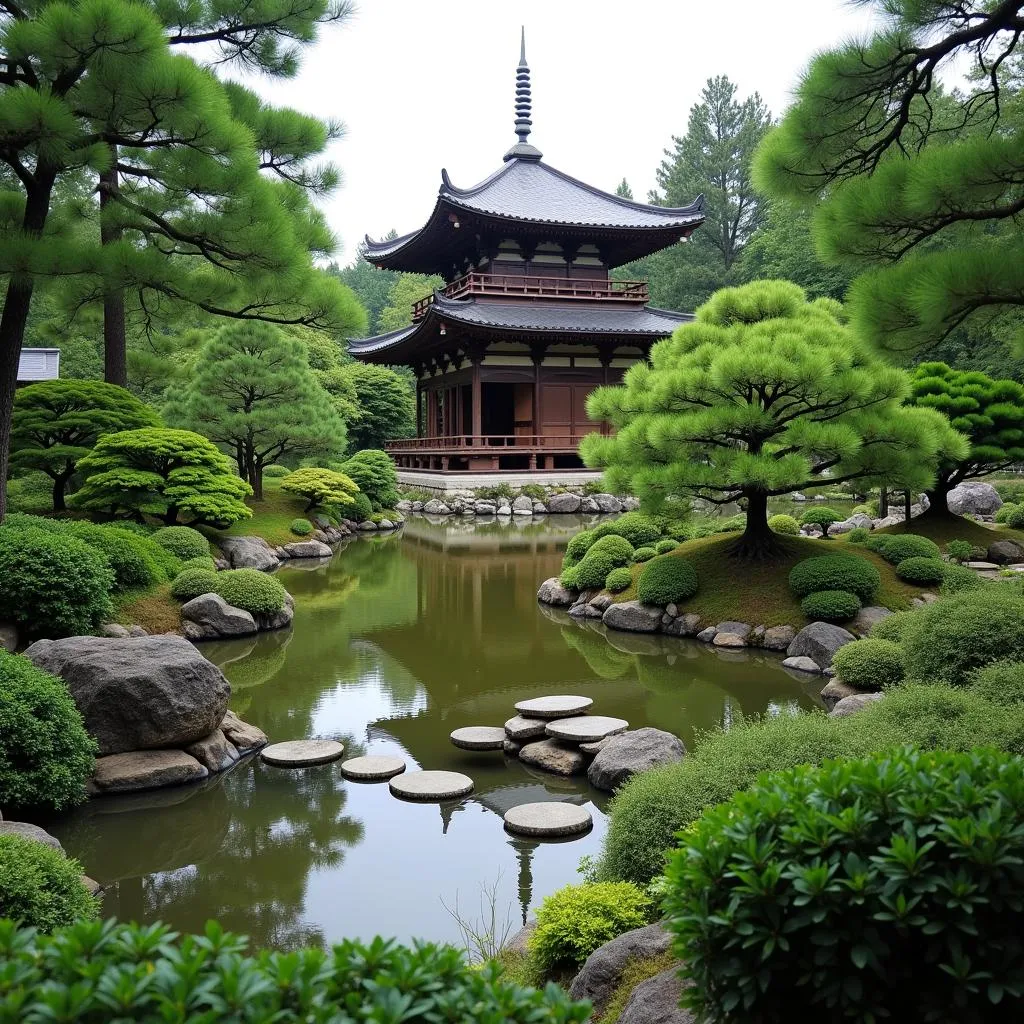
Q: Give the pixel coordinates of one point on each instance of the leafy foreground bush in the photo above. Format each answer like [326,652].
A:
[182,541]
[858,535]
[894,547]
[921,571]
[103,971]
[870,664]
[360,510]
[1015,517]
[830,605]
[45,753]
[41,888]
[577,548]
[667,580]
[251,590]
[782,523]
[618,580]
[1001,682]
[193,582]
[574,921]
[835,572]
[888,888]
[895,627]
[203,562]
[957,578]
[960,550]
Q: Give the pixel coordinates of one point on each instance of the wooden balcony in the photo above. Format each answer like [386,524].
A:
[486,451]
[517,286]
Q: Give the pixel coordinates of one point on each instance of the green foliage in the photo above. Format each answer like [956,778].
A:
[924,572]
[784,524]
[201,562]
[959,550]
[45,753]
[40,887]
[820,515]
[569,578]
[360,510]
[405,290]
[830,605]
[667,580]
[375,475]
[575,920]
[903,830]
[165,473]
[182,541]
[606,553]
[191,583]
[644,554]
[665,547]
[870,663]
[301,527]
[275,472]
[957,578]
[30,492]
[835,572]
[639,529]
[858,535]
[54,585]
[321,487]
[1002,682]
[895,627]
[577,547]
[251,590]
[618,580]
[384,402]
[894,547]
[149,967]
[1015,517]
[1003,512]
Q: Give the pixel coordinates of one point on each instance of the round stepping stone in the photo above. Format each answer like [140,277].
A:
[302,753]
[553,707]
[431,785]
[548,819]
[478,737]
[522,730]
[372,768]
[586,729]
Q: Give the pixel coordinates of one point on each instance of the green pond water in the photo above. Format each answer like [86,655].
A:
[397,641]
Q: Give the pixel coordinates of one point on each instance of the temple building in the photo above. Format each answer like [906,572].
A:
[530,319]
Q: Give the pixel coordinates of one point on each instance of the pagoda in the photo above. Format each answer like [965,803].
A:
[530,319]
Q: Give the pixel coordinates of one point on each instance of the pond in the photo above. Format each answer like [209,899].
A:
[397,641]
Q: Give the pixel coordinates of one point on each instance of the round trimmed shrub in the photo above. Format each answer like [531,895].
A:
[360,509]
[784,524]
[644,554]
[960,550]
[858,535]
[45,753]
[665,547]
[618,580]
[895,627]
[957,578]
[193,582]
[53,584]
[922,571]
[1002,682]
[569,578]
[830,605]
[863,510]
[1015,517]
[251,590]
[870,664]
[959,634]
[125,551]
[903,830]
[835,572]
[614,546]
[820,515]
[40,887]
[300,527]
[577,919]
[606,553]
[637,528]
[894,547]
[578,547]
[667,579]
[182,541]
[203,562]
[275,472]
[1003,512]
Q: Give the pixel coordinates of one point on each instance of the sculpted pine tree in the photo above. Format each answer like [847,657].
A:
[762,395]
[320,487]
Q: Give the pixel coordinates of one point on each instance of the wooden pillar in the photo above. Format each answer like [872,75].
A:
[476,358]
[432,412]
[537,355]
[419,409]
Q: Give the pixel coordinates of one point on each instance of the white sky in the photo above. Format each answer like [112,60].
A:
[426,84]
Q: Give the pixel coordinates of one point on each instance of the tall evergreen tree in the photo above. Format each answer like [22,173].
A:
[623,189]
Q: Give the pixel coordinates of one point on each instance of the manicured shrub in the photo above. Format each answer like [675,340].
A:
[374,474]
[894,547]
[835,860]
[182,541]
[863,510]
[835,572]
[667,579]
[251,590]
[152,974]
[1002,682]
[895,627]
[275,472]
[578,547]
[41,888]
[300,527]
[360,510]
[52,584]
[45,753]
[960,550]
[192,582]
[870,664]
[618,579]
[203,562]
[320,487]
[957,578]
[783,524]
[569,578]
[606,553]
[125,551]
[639,529]
[858,535]
[644,554]
[1003,512]
[1015,517]
[665,547]
[575,920]
[924,572]
[830,605]
[820,515]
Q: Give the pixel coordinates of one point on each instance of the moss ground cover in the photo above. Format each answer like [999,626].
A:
[272,516]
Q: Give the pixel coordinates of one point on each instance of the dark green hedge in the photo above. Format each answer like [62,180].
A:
[830,605]
[835,572]
[667,579]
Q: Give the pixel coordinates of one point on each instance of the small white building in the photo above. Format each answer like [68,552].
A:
[38,364]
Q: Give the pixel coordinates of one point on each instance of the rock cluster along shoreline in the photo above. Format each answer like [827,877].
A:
[464,503]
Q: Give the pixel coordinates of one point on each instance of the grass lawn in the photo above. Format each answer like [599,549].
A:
[271,516]
[758,592]
[153,609]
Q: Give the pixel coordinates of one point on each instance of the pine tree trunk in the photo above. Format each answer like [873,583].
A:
[60,481]
[883,503]
[115,355]
[757,541]
[906,509]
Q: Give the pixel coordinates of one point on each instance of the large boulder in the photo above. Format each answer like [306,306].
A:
[138,693]
[634,617]
[625,755]
[819,641]
[975,498]
[853,703]
[209,616]
[867,617]
[608,502]
[553,756]
[1005,552]
[146,769]
[564,503]
[214,752]
[26,830]
[523,505]
[278,619]
[777,638]
[552,592]
[436,507]
[308,549]
[656,1001]
[249,553]
[602,971]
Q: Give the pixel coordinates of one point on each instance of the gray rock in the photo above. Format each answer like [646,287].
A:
[510,748]
[436,507]
[974,497]
[656,1001]
[589,506]
[8,637]
[504,509]
[608,503]
[522,729]
[585,610]
[854,703]
[215,752]
[366,526]
[302,753]
[552,592]
[523,505]
[279,619]
[812,530]
[385,524]
[591,749]
[145,769]
[114,629]
[564,503]
[797,496]
[687,624]
[802,664]
[625,755]
[520,942]
[308,549]
[214,617]
[539,508]
[548,818]
[25,830]
[1005,551]
[834,691]
[867,617]
[602,971]
[485,508]
[819,641]
[243,737]
[602,602]
[777,638]
[633,617]
[249,553]
[729,640]
[890,520]
[554,757]
[138,693]
[707,635]
[138,631]
[630,503]
[740,629]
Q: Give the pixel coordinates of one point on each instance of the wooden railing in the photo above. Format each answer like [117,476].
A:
[478,441]
[531,286]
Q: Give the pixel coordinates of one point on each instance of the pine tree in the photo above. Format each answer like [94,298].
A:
[623,189]
[384,401]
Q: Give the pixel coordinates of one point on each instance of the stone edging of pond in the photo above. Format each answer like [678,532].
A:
[465,504]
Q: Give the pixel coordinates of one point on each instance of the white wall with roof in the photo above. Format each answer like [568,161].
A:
[38,364]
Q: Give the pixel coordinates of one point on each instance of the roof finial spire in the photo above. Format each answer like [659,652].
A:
[522,149]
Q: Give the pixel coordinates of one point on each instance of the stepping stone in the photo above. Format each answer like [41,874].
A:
[553,707]
[982,566]
[302,753]
[588,729]
[523,729]
[431,785]
[549,818]
[478,737]
[372,768]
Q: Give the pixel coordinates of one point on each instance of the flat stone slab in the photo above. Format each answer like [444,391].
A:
[372,767]
[431,785]
[145,769]
[26,830]
[561,706]
[523,729]
[802,664]
[548,818]
[478,737]
[588,729]
[302,753]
